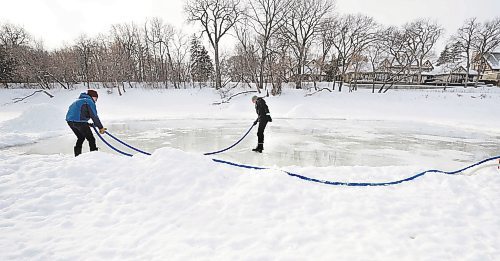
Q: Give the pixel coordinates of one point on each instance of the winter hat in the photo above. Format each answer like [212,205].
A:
[92,93]
[254,98]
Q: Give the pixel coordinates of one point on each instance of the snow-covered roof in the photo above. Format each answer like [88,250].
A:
[414,64]
[493,59]
[363,68]
[443,69]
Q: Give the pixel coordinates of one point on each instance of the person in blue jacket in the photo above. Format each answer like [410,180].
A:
[79,113]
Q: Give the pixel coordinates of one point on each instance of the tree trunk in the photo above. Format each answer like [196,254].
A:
[87,74]
[118,87]
[218,78]
[298,79]
[341,80]
[479,69]
[467,72]
[262,68]
[261,76]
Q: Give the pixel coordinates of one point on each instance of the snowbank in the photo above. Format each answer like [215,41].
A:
[179,206]
[36,122]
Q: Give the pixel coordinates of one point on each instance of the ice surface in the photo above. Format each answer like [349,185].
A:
[300,142]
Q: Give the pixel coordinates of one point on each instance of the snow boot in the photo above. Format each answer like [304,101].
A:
[77,150]
[259,148]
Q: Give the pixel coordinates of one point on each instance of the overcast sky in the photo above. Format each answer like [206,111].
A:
[60,22]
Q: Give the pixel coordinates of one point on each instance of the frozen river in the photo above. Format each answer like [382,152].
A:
[300,142]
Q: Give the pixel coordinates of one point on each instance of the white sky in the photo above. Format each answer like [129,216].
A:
[60,22]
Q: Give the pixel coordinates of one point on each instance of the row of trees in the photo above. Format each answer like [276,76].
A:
[277,41]
[154,53]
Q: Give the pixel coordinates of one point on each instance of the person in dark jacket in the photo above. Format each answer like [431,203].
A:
[263,118]
[79,113]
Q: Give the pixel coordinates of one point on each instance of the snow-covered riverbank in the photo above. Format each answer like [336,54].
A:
[178,205]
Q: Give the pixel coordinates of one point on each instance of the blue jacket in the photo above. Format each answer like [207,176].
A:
[82,110]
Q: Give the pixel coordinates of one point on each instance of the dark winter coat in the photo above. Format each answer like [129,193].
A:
[262,110]
[82,110]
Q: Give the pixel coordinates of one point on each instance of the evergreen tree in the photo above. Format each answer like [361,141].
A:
[450,54]
[444,57]
[455,52]
[201,64]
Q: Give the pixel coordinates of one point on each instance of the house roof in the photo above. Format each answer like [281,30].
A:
[387,63]
[493,59]
[442,69]
[363,68]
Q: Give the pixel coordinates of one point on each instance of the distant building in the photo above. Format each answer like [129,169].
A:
[451,74]
[492,67]
[311,71]
[386,70]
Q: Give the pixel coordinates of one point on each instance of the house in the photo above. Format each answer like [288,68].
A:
[492,67]
[451,74]
[388,70]
[311,71]
[408,74]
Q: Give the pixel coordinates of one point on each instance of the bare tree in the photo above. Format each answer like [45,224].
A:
[303,24]
[399,54]
[126,42]
[425,34]
[268,17]
[351,35]
[375,53]
[168,34]
[245,65]
[327,37]
[357,61]
[279,65]
[85,47]
[217,17]
[180,50]
[103,60]
[7,67]
[465,36]
[141,55]
[15,41]
[486,40]
[159,36]
[12,35]
[65,65]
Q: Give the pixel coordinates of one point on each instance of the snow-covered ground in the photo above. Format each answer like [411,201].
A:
[180,205]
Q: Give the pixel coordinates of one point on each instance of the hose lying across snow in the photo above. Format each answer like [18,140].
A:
[326,182]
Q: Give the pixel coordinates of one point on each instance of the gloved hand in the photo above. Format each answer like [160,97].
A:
[255,122]
[102,131]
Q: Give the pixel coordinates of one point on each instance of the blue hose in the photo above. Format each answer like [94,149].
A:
[355,184]
[109,145]
[220,151]
[136,149]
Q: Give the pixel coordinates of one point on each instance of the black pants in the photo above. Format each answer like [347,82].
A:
[82,132]
[260,131]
